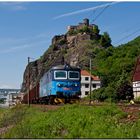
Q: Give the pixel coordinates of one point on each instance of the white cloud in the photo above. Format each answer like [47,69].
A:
[84,10]
[14,6]
[19,8]
[4,86]
[22,46]
[16,44]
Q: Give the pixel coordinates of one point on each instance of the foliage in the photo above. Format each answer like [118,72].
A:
[74,121]
[115,66]
[96,29]
[137,100]
[62,42]
[105,40]
[125,92]
[103,94]
[85,29]
[72,32]
[2,100]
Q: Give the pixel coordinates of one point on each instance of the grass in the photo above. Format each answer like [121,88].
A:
[70,121]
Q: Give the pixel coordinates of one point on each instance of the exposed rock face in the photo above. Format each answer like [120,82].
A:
[64,49]
[59,40]
[74,40]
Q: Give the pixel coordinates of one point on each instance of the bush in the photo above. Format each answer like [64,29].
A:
[137,100]
[103,94]
[72,32]
[96,29]
[125,92]
[62,42]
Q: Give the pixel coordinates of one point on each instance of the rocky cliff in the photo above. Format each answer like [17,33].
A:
[75,48]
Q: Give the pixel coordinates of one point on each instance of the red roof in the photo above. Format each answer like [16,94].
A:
[86,73]
[136,75]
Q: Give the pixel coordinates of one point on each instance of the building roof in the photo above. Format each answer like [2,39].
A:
[86,73]
[136,74]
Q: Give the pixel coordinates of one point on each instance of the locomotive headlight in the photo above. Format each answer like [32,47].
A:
[59,85]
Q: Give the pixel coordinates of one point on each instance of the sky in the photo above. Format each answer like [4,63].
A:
[26,29]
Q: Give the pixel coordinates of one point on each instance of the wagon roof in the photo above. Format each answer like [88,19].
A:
[68,67]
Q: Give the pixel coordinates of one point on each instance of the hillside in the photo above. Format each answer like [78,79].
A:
[115,67]
[75,47]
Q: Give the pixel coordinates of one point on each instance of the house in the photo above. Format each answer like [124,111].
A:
[11,99]
[8,96]
[85,83]
[136,79]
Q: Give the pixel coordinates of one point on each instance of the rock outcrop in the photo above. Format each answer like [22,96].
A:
[74,49]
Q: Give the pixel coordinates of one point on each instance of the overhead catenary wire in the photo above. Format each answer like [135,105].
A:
[127,36]
[131,27]
[100,13]
[92,14]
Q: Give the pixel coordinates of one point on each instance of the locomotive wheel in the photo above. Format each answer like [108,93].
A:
[51,100]
[67,100]
[58,101]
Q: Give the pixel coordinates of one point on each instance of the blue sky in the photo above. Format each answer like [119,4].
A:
[26,29]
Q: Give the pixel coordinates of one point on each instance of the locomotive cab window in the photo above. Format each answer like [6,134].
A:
[60,74]
[73,75]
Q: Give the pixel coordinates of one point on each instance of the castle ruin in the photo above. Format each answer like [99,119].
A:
[81,25]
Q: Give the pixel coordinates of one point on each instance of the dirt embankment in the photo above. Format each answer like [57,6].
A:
[133,112]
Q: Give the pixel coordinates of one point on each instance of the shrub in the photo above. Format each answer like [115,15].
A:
[72,32]
[137,100]
[104,93]
[125,92]
[62,42]
[96,29]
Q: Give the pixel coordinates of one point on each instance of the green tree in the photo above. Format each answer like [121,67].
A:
[96,29]
[115,67]
[125,92]
[105,40]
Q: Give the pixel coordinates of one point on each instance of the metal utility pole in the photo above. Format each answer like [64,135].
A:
[90,81]
[28,82]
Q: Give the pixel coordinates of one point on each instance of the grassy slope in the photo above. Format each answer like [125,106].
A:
[70,121]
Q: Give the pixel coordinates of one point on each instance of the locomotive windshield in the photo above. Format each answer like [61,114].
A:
[60,74]
[73,75]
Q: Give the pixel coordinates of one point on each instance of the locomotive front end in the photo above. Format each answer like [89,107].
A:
[66,83]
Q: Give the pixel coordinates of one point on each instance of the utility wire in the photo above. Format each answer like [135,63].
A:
[92,14]
[127,36]
[100,13]
[129,29]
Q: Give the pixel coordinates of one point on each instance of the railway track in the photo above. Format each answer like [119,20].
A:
[47,107]
[87,103]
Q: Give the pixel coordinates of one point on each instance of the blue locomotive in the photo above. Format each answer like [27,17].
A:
[60,84]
